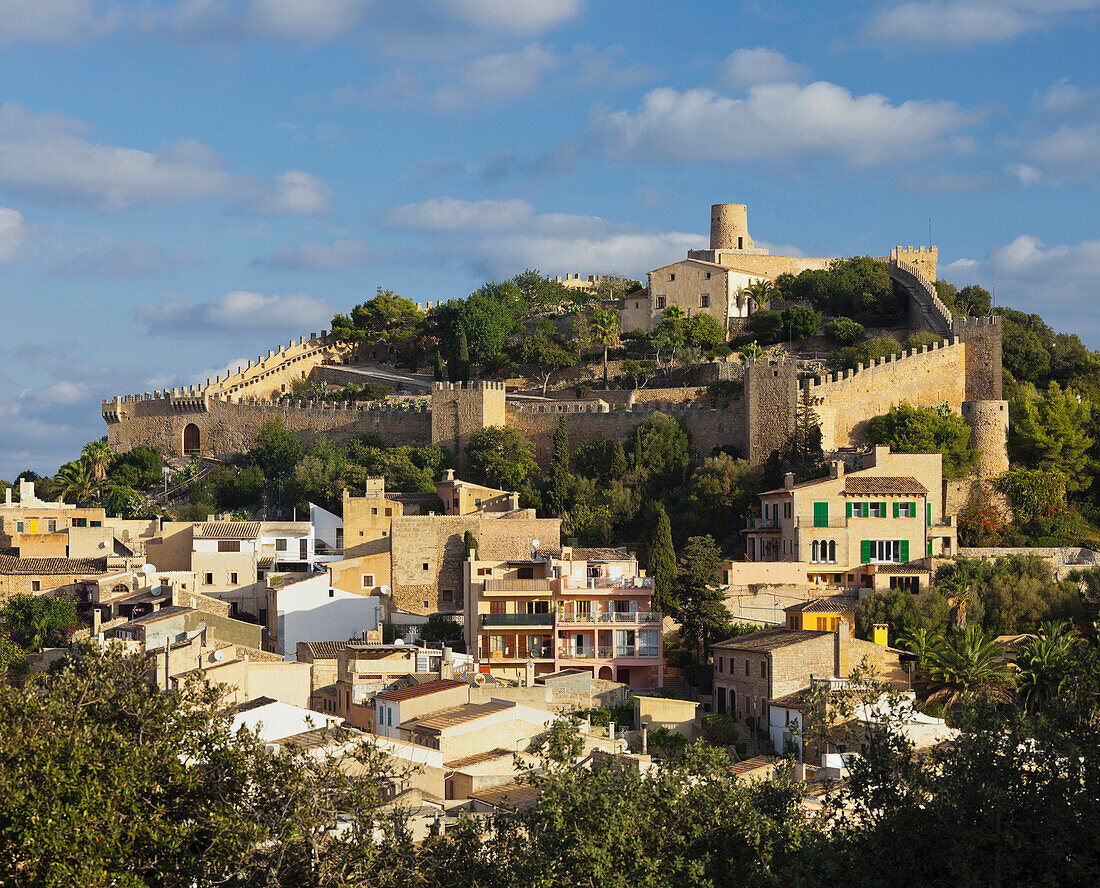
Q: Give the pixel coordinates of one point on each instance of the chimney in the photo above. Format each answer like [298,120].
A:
[841,650]
[97,620]
[645,740]
[449,475]
[446,664]
[882,634]
[7,496]
[529,674]
[836,468]
[788,481]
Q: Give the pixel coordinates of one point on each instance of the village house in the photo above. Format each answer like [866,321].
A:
[306,607]
[589,609]
[867,529]
[750,670]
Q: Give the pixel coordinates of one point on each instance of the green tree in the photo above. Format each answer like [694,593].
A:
[441,629]
[700,601]
[661,450]
[759,291]
[500,457]
[907,429]
[703,331]
[74,482]
[662,562]
[35,621]
[800,322]
[437,366]
[969,665]
[545,350]
[844,331]
[561,481]
[1050,432]
[1043,665]
[618,459]
[276,450]
[122,501]
[605,328]
[459,366]
[98,456]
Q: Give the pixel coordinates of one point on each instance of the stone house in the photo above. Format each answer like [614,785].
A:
[751,670]
[865,529]
[394,708]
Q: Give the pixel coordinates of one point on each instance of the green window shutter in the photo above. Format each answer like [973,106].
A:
[928,514]
[897,509]
[929,548]
[847,510]
[865,551]
[882,509]
[821,514]
[912,510]
[18,526]
[905,551]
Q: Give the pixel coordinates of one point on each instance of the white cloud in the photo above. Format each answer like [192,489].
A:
[293,193]
[496,79]
[233,312]
[47,156]
[310,21]
[12,233]
[747,67]
[343,253]
[1059,282]
[51,21]
[452,214]
[126,260]
[774,122]
[1069,154]
[519,16]
[954,23]
[1065,97]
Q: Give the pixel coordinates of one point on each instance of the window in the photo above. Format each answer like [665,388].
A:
[425,565]
[208,579]
[704,301]
[746,667]
[496,607]
[374,510]
[884,551]
[389,512]
[484,571]
[763,669]
[708,275]
[36,585]
[721,664]
[786,510]
[821,514]
[280,545]
[905,510]
[229,545]
[97,524]
[814,551]
[19,526]
[51,526]
[672,277]
[232,579]
[876,510]
[832,553]
[659,302]
[526,573]
[448,596]
[368,581]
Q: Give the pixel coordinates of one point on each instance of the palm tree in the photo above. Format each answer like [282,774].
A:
[970,663]
[1041,662]
[955,587]
[605,330]
[74,481]
[98,456]
[923,643]
[760,292]
[752,352]
[673,313]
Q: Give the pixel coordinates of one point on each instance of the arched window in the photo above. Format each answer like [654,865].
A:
[814,551]
[120,589]
[832,551]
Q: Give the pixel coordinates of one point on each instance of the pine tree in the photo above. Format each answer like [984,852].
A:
[662,562]
[462,357]
[437,367]
[557,497]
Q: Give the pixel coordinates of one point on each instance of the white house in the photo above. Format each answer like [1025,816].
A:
[273,720]
[310,609]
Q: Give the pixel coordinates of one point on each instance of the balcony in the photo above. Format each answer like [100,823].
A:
[762,524]
[512,653]
[605,652]
[572,584]
[513,587]
[488,620]
[601,616]
[806,521]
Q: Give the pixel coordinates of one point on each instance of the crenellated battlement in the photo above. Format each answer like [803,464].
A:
[824,384]
[474,385]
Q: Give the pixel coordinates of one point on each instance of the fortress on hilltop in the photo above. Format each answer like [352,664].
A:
[963,369]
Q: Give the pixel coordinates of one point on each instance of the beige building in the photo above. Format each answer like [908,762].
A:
[865,529]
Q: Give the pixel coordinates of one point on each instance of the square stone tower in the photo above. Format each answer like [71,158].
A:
[459,410]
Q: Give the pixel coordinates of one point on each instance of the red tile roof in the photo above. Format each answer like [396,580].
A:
[51,566]
[883,485]
[399,694]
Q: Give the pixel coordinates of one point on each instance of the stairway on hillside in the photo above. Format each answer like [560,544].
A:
[920,299]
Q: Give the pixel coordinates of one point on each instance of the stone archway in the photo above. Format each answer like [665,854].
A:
[191,439]
[607,673]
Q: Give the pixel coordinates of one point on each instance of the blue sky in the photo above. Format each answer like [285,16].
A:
[186,183]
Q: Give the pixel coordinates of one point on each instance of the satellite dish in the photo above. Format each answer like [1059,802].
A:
[399,641]
[148,569]
[479,679]
[385,590]
[534,543]
[219,656]
[103,544]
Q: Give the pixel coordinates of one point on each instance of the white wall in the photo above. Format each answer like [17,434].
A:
[311,610]
[324,525]
[278,720]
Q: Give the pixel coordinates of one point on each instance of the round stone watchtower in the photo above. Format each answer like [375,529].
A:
[729,227]
[988,421]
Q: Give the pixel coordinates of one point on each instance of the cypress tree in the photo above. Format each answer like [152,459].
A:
[437,367]
[462,356]
[662,561]
[557,497]
[618,460]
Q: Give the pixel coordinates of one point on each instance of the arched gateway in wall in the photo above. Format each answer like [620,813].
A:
[191,438]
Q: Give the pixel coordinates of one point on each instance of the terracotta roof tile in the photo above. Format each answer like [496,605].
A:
[835,604]
[511,795]
[769,640]
[227,530]
[883,485]
[458,715]
[325,650]
[51,566]
[399,694]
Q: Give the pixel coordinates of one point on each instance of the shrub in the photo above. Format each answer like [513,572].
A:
[844,331]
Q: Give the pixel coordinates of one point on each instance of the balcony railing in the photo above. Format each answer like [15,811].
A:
[763,524]
[512,653]
[806,521]
[517,585]
[599,616]
[605,652]
[573,584]
[517,620]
